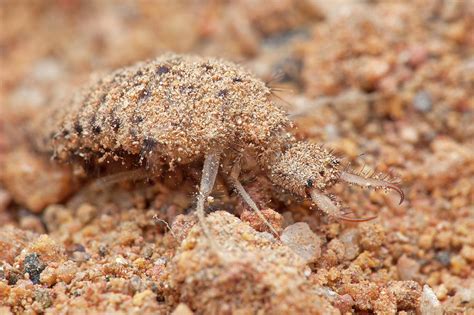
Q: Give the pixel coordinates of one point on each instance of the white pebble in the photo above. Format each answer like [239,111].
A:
[429,304]
[302,241]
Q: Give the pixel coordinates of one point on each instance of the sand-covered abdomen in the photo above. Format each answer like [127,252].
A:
[175,106]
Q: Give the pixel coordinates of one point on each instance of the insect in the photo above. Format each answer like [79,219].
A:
[187,110]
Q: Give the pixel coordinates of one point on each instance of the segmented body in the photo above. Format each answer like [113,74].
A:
[179,109]
[174,108]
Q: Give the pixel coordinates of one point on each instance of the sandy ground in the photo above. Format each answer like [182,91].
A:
[387,85]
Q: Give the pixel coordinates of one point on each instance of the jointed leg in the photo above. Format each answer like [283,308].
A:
[209,174]
[136,174]
[234,178]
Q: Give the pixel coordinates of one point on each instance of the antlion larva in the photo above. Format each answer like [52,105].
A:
[184,110]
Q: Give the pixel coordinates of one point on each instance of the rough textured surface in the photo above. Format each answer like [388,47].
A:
[302,241]
[386,84]
[178,110]
[259,274]
[175,107]
[429,302]
[35,182]
[273,217]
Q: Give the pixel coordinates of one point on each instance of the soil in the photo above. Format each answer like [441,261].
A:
[387,85]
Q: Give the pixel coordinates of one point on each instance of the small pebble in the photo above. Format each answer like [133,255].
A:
[33,266]
[459,265]
[426,240]
[273,217]
[409,134]
[407,293]
[182,309]
[444,257]
[43,297]
[408,269]
[441,292]
[86,213]
[136,284]
[79,256]
[372,236]
[417,55]
[5,200]
[429,304]
[303,241]
[468,253]
[422,101]
[350,240]
[140,298]
[67,271]
[32,223]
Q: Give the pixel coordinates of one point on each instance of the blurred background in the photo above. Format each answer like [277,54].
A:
[392,80]
[406,59]
[416,55]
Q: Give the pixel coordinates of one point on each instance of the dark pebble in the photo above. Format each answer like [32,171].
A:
[34,267]
[444,257]
[13,276]
[103,250]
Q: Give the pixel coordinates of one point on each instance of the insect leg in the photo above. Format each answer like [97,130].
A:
[209,174]
[108,180]
[234,179]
